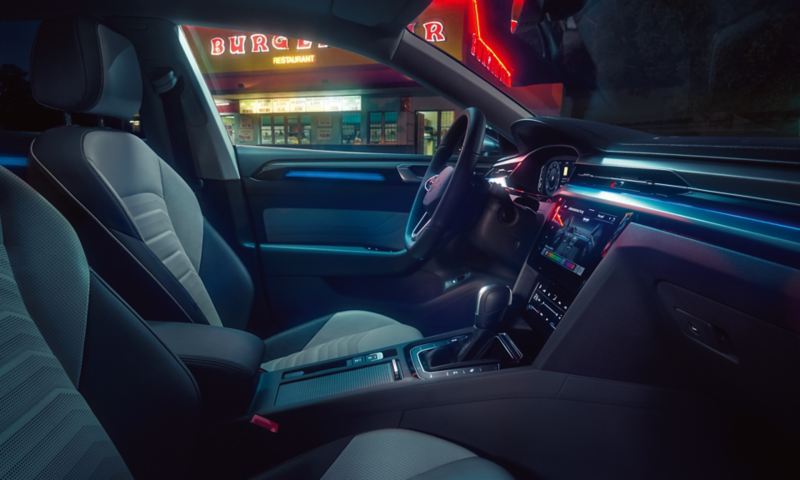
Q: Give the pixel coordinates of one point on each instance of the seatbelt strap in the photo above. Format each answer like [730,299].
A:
[170,87]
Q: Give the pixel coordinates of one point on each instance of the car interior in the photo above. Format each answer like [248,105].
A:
[407,239]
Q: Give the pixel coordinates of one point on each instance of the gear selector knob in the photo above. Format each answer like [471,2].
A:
[493,300]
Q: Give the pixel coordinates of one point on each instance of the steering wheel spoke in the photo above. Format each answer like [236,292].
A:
[444,186]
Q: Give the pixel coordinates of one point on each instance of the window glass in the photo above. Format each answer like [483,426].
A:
[274,90]
[266,130]
[375,127]
[390,127]
[708,68]
[433,126]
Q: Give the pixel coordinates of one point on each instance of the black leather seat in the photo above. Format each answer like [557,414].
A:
[87,390]
[147,209]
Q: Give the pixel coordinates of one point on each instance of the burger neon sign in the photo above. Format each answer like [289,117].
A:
[257,43]
[241,44]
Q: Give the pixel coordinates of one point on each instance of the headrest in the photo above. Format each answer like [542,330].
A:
[80,66]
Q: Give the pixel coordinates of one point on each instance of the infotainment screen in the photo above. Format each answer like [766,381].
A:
[571,245]
[577,236]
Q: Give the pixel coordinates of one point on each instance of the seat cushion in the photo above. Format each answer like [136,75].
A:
[338,335]
[390,454]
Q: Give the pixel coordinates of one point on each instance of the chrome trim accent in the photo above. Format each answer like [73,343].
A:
[396,369]
[510,347]
[407,175]
[420,227]
[430,182]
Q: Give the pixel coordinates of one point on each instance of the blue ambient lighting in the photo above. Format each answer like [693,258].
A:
[13,161]
[331,175]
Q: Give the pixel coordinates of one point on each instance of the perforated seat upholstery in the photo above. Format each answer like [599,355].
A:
[146,207]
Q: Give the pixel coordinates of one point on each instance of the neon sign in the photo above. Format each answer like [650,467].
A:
[484,53]
[293,59]
[258,43]
[432,31]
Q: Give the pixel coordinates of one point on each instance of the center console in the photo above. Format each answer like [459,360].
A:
[573,241]
[466,385]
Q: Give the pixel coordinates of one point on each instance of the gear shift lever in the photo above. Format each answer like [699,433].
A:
[493,300]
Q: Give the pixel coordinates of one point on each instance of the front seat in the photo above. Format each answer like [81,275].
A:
[88,391]
[80,66]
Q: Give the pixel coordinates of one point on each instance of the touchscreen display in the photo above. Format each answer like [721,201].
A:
[577,236]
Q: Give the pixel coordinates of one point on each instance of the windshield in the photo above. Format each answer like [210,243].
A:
[670,67]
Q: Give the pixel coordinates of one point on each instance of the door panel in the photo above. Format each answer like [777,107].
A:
[329,229]
[370,228]
[332,199]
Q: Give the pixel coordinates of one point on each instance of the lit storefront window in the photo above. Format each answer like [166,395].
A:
[390,127]
[274,90]
[433,126]
[266,130]
[351,129]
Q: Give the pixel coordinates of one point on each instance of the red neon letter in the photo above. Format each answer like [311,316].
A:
[259,43]
[410,27]
[217,46]
[434,31]
[279,42]
[303,44]
[237,44]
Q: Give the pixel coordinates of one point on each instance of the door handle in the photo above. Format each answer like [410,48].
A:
[407,175]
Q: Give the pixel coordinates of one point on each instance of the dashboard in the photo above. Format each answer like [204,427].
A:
[594,184]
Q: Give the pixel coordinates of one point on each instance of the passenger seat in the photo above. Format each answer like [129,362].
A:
[80,66]
[88,391]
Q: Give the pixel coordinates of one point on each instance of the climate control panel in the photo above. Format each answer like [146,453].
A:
[547,304]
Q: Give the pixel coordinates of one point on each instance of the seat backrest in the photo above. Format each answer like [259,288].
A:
[140,201]
[65,336]
[47,429]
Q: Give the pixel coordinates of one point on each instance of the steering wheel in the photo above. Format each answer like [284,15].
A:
[443,187]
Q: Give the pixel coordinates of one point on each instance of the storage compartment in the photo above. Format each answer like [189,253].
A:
[225,363]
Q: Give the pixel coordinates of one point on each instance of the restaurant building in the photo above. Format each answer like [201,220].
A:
[274,90]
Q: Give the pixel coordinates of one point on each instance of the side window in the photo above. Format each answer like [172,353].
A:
[276,91]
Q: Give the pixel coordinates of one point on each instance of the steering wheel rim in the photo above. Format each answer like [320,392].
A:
[442,186]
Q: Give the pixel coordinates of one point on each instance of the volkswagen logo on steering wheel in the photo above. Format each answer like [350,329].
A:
[429,183]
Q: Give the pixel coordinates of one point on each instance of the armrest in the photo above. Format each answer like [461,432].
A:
[224,361]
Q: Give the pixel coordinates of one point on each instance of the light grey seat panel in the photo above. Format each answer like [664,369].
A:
[160,205]
[396,454]
[347,333]
[46,428]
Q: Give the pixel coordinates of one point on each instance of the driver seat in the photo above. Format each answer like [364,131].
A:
[148,214]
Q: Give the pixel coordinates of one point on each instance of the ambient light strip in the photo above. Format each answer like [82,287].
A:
[333,175]
[13,161]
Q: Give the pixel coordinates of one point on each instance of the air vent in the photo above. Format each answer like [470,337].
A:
[653,182]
